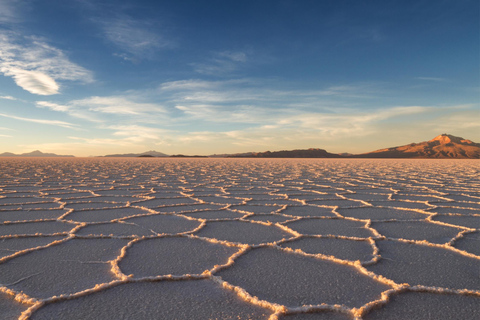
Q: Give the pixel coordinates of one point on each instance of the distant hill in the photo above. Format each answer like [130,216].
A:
[444,146]
[35,153]
[186,156]
[301,153]
[143,154]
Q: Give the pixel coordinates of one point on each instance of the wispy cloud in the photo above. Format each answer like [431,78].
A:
[41,121]
[117,105]
[133,36]
[109,109]
[72,111]
[8,10]
[432,79]
[309,129]
[53,106]
[136,133]
[36,66]
[250,101]
[8,98]
[221,63]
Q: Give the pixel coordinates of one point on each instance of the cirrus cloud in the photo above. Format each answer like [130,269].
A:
[36,66]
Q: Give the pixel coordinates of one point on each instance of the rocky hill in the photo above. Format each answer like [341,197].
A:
[443,146]
[301,153]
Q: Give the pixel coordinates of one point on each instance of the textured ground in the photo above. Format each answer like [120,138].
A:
[239,239]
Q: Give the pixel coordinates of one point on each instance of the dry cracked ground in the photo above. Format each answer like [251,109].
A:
[239,239]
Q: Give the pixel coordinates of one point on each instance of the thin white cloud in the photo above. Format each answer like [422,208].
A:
[41,121]
[234,56]
[33,81]
[8,11]
[432,79]
[70,110]
[8,98]
[221,63]
[35,66]
[134,37]
[302,130]
[139,133]
[193,84]
[119,105]
[263,94]
[53,106]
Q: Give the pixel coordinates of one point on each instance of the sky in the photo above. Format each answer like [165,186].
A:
[96,77]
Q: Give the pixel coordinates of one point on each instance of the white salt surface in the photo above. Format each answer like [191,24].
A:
[239,239]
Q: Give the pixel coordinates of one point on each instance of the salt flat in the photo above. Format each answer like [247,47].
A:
[290,239]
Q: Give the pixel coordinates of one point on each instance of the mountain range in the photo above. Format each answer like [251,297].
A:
[35,153]
[150,153]
[444,146]
[441,147]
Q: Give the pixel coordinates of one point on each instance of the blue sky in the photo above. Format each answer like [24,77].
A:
[201,77]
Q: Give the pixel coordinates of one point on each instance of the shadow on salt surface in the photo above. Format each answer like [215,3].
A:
[158,203]
[367,196]
[31,206]
[338,202]
[381,213]
[272,218]
[416,230]
[243,232]
[9,308]
[269,197]
[215,214]
[30,215]
[114,199]
[339,248]
[279,202]
[426,265]
[66,268]
[197,299]
[312,196]
[256,208]
[121,192]
[9,246]
[462,204]
[323,315]
[116,229]
[464,221]
[33,228]
[188,208]
[463,197]
[220,200]
[294,280]
[174,255]
[428,306]
[308,211]
[161,223]
[24,200]
[401,204]
[104,215]
[333,226]
[470,242]
[66,194]
[455,210]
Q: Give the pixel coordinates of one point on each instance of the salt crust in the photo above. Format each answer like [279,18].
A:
[84,250]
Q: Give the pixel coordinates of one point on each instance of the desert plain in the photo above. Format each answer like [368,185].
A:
[289,239]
